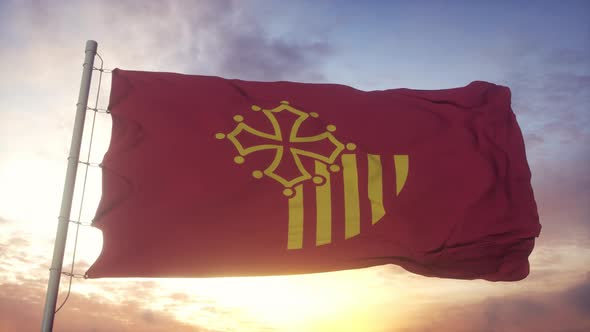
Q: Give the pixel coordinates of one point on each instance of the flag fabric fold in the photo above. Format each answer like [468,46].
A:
[208,177]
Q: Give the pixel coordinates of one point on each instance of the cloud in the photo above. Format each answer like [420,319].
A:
[14,247]
[21,308]
[566,57]
[548,312]
[256,58]
[222,38]
[548,87]
[579,297]
[3,221]
[215,38]
[119,305]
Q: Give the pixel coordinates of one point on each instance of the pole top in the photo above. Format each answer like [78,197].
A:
[91,46]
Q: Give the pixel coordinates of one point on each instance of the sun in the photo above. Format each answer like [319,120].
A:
[335,301]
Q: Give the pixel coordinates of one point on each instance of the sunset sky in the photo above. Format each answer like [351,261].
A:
[540,49]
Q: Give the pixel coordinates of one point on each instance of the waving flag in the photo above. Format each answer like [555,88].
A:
[207,177]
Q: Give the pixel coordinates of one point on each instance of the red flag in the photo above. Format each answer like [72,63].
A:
[207,177]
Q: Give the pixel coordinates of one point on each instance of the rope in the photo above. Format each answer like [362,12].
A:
[74,275]
[99,110]
[101,69]
[88,164]
[77,222]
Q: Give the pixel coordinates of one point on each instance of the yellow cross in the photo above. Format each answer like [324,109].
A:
[287,144]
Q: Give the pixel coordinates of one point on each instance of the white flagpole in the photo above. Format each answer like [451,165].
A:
[68,193]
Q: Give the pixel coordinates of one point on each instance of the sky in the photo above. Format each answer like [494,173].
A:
[540,49]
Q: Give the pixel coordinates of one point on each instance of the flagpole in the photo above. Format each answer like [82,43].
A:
[68,193]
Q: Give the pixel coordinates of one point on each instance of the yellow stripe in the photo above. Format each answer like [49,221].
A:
[295,238]
[323,207]
[375,182]
[401,171]
[352,224]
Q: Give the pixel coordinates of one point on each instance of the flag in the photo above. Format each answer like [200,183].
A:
[209,177]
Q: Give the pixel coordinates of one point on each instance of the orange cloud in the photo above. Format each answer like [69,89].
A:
[21,308]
